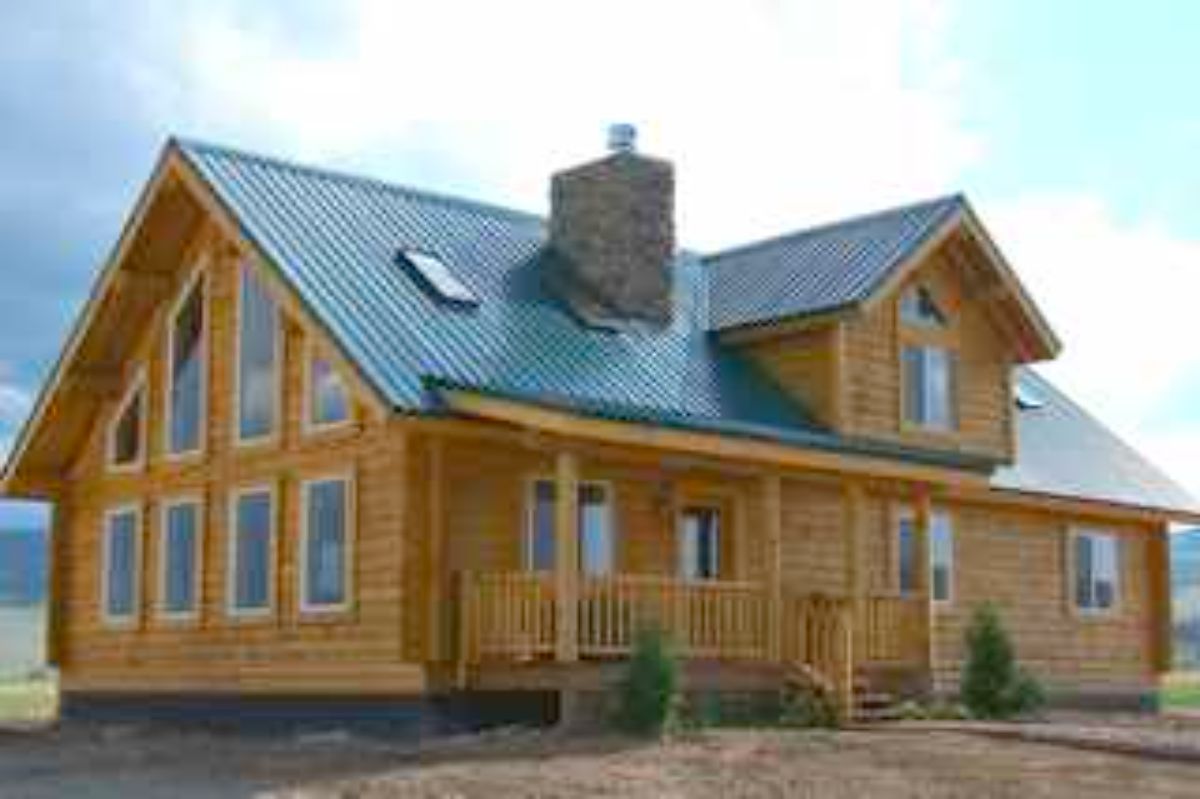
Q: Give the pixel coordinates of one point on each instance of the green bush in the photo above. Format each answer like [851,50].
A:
[993,686]
[808,708]
[648,692]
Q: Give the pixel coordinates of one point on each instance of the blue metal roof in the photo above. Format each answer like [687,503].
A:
[1064,451]
[334,239]
[819,269]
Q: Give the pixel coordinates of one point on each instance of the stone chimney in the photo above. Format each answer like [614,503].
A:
[612,234]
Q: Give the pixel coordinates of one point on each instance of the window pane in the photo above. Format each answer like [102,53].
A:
[595,532]
[1104,590]
[327,394]
[942,557]
[918,307]
[187,373]
[257,375]
[180,558]
[700,544]
[937,387]
[1083,571]
[543,526]
[127,435]
[326,555]
[906,542]
[914,381]
[253,555]
[122,564]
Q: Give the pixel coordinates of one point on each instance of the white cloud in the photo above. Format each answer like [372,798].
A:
[800,105]
[1122,295]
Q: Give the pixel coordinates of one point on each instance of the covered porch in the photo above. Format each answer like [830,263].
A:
[546,553]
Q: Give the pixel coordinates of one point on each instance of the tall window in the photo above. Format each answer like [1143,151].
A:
[596,544]
[252,550]
[121,562]
[941,555]
[185,390]
[325,544]
[328,401]
[1097,571]
[179,558]
[127,430]
[929,387]
[258,359]
[700,544]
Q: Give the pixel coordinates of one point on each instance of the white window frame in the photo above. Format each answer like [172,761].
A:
[167,504]
[198,277]
[271,437]
[680,516]
[348,480]
[1075,533]
[906,513]
[926,424]
[311,427]
[531,506]
[136,387]
[232,539]
[129,620]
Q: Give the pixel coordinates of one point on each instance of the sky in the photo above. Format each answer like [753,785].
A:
[1071,126]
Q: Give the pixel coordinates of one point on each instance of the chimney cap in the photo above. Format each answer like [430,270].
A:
[622,137]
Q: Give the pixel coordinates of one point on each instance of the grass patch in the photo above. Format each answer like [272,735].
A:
[28,700]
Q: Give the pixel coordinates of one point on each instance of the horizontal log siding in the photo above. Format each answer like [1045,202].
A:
[872,371]
[1018,561]
[803,364]
[813,544]
[359,650]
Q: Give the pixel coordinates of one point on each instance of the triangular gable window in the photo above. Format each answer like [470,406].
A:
[127,431]
[917,307]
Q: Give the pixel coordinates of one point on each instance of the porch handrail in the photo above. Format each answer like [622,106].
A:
[892,627]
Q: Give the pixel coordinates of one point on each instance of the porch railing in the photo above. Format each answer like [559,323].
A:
[703,618]
[818,635]
[506,615]
[892,628]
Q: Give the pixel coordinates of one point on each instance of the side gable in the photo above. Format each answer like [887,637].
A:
[816,276]
[116,334]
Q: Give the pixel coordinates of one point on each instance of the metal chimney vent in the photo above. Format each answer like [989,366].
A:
[622,138]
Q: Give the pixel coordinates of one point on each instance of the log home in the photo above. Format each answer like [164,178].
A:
[317,435]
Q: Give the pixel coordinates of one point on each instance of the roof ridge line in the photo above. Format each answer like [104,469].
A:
[825,227]
[186,144]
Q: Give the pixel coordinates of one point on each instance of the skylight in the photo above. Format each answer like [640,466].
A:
[438,277]
[1027,399]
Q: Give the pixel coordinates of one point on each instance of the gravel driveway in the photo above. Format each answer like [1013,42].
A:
[132,764]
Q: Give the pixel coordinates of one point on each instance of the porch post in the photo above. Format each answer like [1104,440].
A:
[855,520]
[436,552]
[566,556]
[922,516]
[772,509]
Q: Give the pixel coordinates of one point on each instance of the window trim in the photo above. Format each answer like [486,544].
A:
[1074,533]
[232,609]
[348,479]
[196,500]
[908,513]
[138,464]
[313,351]
[131,619]
[197,277]
[722,518]
[530,500]
[245,265]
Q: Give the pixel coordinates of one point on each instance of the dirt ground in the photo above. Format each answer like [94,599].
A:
[140,764]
